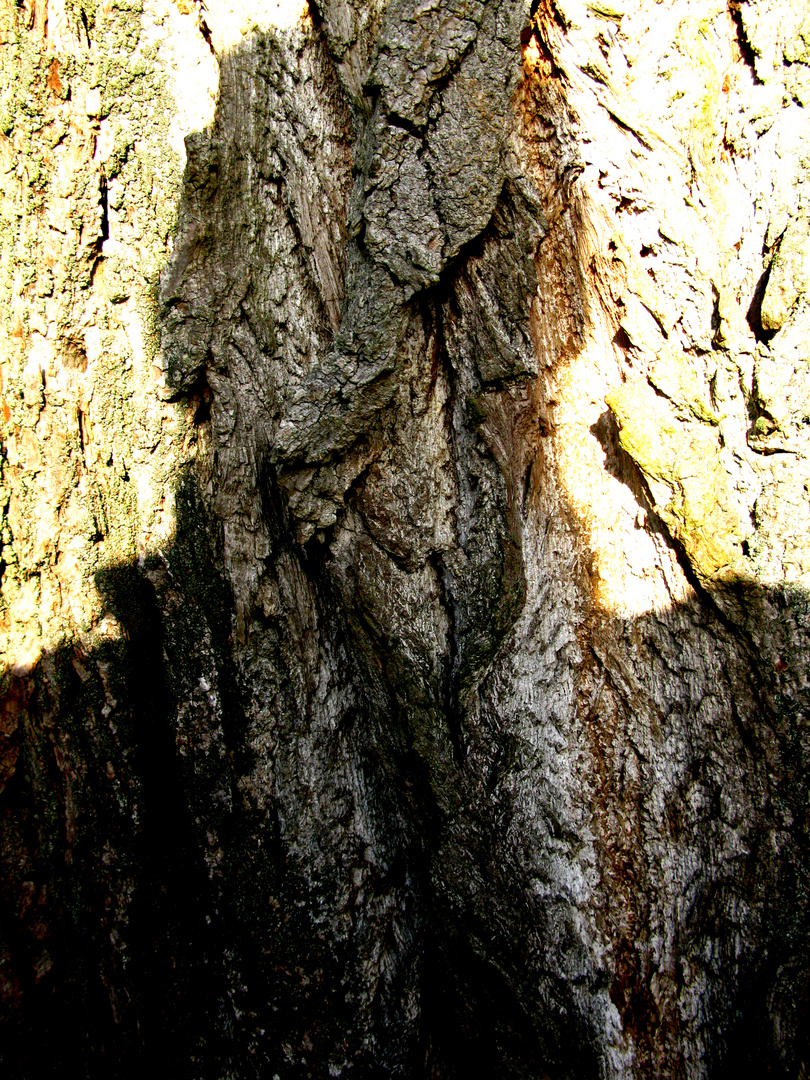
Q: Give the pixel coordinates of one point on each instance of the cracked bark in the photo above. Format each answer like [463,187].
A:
[405,572]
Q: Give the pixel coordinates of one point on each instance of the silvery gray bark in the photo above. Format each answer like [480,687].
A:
[405,566]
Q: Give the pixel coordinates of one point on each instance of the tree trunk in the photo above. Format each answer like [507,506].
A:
[405,558]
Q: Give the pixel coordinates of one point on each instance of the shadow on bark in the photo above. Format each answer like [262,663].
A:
[153,917]
[160,913]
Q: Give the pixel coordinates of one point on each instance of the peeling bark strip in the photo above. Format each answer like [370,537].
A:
[405,573]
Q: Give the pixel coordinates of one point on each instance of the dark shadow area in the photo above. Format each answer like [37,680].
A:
[479,1026]
[754,313]
[113,962]
[151,919]
[120,947]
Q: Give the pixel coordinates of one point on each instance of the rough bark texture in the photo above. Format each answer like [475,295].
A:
[405,566]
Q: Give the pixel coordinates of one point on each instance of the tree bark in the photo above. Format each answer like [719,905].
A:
[405,565]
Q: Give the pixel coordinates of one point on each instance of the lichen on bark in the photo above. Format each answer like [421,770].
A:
[404,572]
